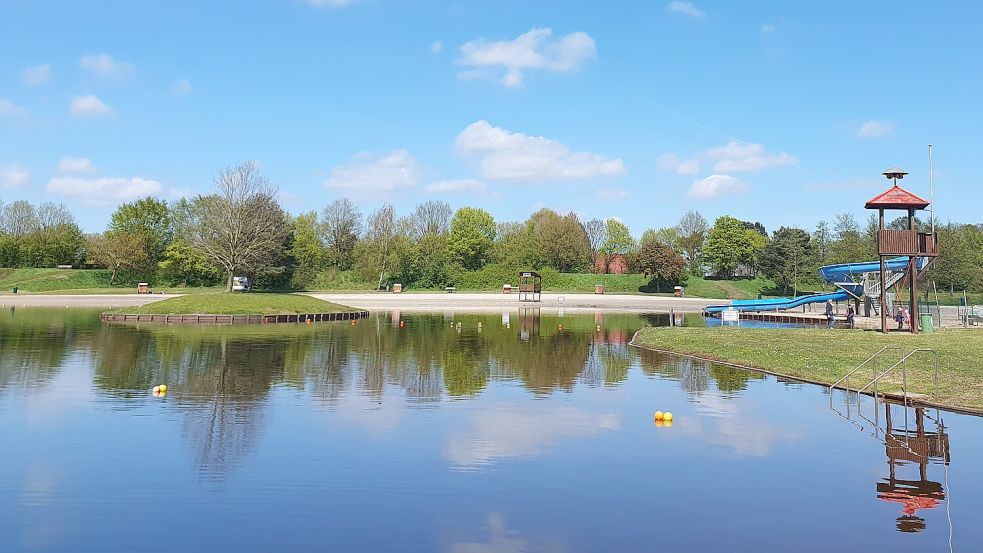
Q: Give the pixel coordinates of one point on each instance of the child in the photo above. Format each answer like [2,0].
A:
[899,317]
[850,313]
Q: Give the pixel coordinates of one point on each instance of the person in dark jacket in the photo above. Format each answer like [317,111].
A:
[830,318]
[850,314]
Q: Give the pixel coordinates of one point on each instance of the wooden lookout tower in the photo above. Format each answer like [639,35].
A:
[910,243]
[530,286]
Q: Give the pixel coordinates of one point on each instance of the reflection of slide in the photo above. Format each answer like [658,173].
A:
[840,276]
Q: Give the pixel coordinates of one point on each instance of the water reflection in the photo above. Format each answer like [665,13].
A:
[913,449]
[491,432]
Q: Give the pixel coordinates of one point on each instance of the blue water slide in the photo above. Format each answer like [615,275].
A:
[838,275]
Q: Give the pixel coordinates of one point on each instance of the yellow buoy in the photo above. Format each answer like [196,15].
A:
[659,415]
[163,388]
[667,416]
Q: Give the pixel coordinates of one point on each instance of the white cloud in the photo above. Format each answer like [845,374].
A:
[75,165]
[876,129]
[13,175]
[716,186]
[685,8]
[458,185]
[515,156]
[613,193]
[103,190]
[506,60]
[181,87]
[329,3]
[671,163]
[36,74]
[768,29]
[436,47]
[104,65]
[89,106]
[373,175]
[10,109]
[738,157]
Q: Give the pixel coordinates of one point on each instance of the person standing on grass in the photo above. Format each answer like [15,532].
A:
[850,314]
[830,318]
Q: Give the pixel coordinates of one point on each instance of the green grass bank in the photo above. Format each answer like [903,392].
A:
[825,356]
[254,303]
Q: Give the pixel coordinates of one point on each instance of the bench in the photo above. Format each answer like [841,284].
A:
[450,289]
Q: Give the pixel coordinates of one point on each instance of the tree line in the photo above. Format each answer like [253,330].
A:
[241,229]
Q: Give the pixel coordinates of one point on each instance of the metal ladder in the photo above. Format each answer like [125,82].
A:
[901,363]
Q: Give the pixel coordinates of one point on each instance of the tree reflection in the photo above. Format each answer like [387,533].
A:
[35,343]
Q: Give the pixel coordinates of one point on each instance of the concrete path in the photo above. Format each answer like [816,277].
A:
[458,301]
[80,300]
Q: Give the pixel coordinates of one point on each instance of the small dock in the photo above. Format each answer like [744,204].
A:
[810,319]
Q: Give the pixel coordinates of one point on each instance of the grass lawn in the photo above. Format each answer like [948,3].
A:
[252,303]
[825,356]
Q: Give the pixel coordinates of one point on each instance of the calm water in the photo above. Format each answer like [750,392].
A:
[528,434]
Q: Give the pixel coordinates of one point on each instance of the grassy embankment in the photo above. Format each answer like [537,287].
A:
[254,303]
[825,356]
[77,281]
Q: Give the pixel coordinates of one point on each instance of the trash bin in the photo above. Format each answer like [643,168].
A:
[15,289]
[598,288]
[926,323]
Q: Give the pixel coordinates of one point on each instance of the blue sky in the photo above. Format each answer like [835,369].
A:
[780,112]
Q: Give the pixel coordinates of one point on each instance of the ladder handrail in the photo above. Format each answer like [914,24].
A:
[902,361]
[868,360]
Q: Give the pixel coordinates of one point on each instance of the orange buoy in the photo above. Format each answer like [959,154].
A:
[659,415]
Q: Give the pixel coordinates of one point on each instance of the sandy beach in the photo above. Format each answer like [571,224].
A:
[497,302]
[80,300]
[404,302]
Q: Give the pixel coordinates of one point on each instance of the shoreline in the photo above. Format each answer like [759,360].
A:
[421,302]
[551,302]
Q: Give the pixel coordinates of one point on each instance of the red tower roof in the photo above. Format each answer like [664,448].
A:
[896,198]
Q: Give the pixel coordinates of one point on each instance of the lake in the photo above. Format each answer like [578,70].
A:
[469,433]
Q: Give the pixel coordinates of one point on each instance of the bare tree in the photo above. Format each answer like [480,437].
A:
[597,234]
[431,217]
[382,231]
[240,226]
[18,219]
[341,225]
[691,234]
[51,215]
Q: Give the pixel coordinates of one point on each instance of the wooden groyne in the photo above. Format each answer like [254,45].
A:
[192,318]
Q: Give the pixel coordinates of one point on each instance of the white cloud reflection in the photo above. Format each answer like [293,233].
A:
[509,431]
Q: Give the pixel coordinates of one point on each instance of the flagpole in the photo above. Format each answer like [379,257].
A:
[931,185]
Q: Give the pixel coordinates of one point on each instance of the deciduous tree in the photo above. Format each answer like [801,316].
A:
[240,226]
[472,233]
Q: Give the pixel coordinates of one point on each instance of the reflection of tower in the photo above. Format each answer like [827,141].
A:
[528,322]
[903,448]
